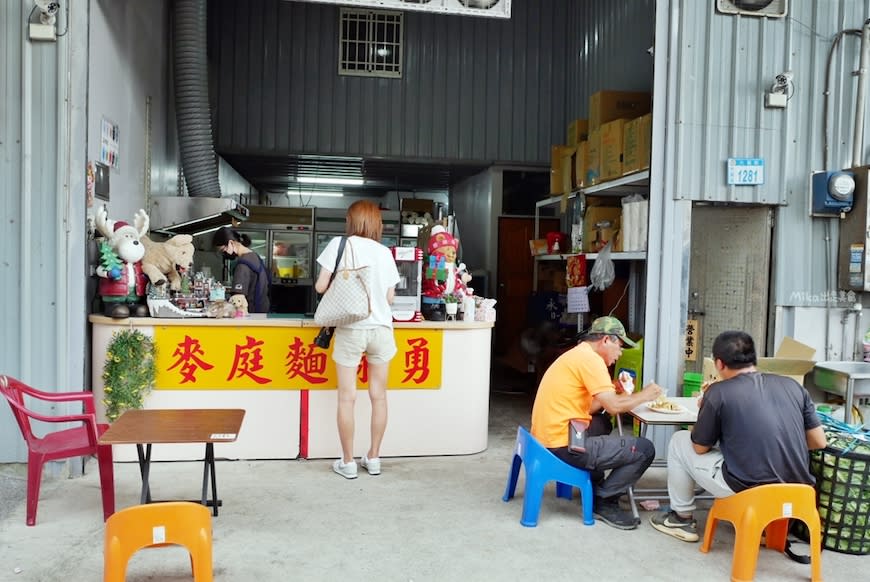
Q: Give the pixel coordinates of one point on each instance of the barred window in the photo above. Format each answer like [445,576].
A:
[370,43]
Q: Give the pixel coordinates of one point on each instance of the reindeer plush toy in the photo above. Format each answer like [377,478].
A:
[122,282]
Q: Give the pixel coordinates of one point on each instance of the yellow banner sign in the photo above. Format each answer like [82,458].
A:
[274,358]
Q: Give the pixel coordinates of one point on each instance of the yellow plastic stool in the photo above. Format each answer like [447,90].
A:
[158,524]
[766,508]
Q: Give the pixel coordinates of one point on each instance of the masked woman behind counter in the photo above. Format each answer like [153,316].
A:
[250,277]
[372,336]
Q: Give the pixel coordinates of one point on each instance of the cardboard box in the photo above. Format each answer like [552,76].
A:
[578,130]
[600,209]
[593,159]
[637,144]
[568,169]
[581,164]
[792,359]
[419,205]
[557,158]
[612,133]
[538,246]
[606,106]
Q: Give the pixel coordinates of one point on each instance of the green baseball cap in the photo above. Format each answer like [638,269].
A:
[610,326]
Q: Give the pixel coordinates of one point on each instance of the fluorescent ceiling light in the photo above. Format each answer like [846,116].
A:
[331,181]
[321,193]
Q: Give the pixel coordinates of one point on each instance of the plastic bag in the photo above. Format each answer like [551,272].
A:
[603,272]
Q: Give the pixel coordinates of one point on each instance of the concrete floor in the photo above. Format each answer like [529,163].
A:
[423,519]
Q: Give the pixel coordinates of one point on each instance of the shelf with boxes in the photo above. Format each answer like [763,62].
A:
[584,213]
[614,142]
[594,215]
[631,256]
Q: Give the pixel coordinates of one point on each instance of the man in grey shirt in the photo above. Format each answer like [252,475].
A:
[752,429]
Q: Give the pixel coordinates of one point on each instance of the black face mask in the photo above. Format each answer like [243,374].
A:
[228,256]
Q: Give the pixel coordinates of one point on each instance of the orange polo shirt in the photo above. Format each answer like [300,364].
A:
[566,392]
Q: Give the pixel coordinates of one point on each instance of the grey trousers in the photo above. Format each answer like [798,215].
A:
[627,457]
[686,468]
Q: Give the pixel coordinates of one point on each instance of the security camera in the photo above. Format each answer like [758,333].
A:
[784,79]
[47,10]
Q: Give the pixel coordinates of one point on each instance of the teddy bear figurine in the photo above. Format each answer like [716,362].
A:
[122,282]
[220,309]
[167,260]
[241,304]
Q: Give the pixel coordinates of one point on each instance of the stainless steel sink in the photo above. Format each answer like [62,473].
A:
[843,377]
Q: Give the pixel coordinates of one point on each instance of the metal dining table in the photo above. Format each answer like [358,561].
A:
[646,417]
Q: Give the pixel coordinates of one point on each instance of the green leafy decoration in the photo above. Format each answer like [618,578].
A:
[109,259]
[129,371]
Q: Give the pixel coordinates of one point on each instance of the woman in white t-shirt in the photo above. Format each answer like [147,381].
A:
[372,336]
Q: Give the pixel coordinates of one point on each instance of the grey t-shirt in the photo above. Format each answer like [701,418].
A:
[760,422]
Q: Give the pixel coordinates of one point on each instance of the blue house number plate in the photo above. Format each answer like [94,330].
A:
[745,171]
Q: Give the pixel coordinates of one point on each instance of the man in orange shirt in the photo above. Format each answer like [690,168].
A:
[578,385]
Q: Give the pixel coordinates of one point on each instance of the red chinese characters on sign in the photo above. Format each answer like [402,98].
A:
[248,360]
[362,372]
[308,363]
[187,353]
[270,358]
[417,361]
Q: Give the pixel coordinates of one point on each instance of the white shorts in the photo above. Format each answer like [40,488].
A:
[348,346]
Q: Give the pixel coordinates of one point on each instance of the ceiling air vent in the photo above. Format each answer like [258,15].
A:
[768,8]
[491,8]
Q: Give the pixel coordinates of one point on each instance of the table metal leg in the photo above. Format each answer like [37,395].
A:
[631,501]
[209,470]
[144,471]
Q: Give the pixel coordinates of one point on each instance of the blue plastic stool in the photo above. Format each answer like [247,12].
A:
[542,466]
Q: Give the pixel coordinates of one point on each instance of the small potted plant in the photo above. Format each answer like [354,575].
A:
[451,304]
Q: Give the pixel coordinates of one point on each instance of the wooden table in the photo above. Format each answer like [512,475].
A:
[148,427]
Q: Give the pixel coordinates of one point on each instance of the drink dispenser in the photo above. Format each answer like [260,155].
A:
[406,304]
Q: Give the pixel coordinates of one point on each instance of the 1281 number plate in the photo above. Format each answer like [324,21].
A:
[745,171]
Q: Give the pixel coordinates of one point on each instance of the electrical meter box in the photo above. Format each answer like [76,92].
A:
[832,192]
[853,264]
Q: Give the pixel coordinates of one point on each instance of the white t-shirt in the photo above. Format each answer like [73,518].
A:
[364,252]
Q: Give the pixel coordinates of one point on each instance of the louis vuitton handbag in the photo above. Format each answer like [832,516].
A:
[347,299]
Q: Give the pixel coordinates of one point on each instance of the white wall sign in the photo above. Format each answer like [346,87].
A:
[110,143]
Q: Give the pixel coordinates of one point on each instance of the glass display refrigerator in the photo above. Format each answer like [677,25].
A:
[329,223]
[283,237]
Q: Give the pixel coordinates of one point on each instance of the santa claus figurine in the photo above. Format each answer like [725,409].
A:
[442,276]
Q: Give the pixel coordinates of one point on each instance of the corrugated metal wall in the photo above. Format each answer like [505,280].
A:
[42,210]
[724,64]
[473,88]
[608,50]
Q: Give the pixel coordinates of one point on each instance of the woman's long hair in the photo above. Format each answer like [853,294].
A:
[364,219]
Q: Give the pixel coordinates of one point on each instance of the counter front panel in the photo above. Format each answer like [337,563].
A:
[438,382]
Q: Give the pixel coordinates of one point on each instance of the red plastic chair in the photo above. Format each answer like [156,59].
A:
[62,444]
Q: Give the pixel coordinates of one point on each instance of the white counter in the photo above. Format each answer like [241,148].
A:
[289,421]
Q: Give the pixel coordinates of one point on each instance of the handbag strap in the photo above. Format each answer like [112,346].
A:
[338,259]
[352,257]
